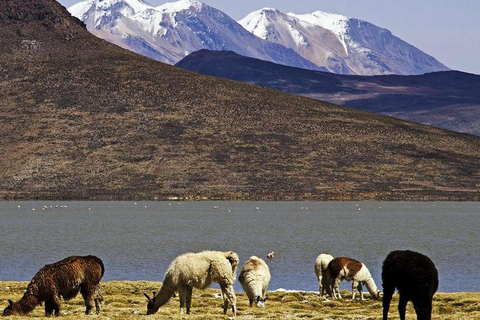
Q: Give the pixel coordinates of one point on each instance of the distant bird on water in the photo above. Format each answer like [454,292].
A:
[270,255]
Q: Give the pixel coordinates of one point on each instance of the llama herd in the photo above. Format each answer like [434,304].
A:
[412,274]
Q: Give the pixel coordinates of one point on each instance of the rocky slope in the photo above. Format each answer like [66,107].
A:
[447,99]
[81,118]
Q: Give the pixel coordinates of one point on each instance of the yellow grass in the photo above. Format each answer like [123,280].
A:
[125,300]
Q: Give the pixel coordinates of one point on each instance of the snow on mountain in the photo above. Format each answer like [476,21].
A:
[173,30]
[336,23]
[318,40]
[311,41]
[365,48]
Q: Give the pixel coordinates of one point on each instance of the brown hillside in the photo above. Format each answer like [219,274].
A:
[83,119]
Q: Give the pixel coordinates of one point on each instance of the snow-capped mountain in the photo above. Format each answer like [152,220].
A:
[341,44]
[173,30]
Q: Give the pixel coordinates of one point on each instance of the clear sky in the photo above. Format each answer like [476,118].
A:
[449,30]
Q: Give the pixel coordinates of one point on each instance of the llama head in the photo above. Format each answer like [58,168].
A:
[150,303]
[261,302]
[8,311]
[232,258]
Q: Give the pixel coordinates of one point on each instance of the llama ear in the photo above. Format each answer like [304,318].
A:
[154,293]
[148,298]
[10,302]
[258,299]
[265,299]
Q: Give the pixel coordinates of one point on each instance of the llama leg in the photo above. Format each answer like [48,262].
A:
[57,305]
[251,302]
[49,308]
[335,290]
[98,299]
[230,298]
[360,289]
[354,288]
[327,283]
[88,295]
[189,299]
[182,294]
[387,298]
[423,307]
[320,289]
[225,300]
[402,305]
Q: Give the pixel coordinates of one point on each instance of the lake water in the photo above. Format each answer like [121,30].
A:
[137,241]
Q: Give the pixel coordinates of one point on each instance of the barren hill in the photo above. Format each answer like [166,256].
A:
[83,119]
[445,99]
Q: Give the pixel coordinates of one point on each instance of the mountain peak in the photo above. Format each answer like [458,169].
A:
[257,22]
[336,23]
[340,43]
[104,7]
[180,6]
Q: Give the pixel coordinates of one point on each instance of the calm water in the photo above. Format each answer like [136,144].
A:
[137,241]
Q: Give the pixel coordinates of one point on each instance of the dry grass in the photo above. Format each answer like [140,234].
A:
[125,300]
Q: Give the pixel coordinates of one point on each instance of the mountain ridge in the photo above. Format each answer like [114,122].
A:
[446,99]
[317,41]
[357,47]
[169,32]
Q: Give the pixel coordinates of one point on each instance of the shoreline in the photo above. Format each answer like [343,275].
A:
[407,195]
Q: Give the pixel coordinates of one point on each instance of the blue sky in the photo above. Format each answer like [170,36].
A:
[449,30]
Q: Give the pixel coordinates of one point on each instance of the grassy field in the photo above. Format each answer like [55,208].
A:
[125,300]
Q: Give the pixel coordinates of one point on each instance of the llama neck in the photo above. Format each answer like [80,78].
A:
[26,304]
[166,292]
[371,287]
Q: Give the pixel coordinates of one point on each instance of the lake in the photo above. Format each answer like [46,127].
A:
[138,240]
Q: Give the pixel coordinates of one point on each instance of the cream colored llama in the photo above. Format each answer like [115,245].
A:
[323,277]
[255,277]
[351,270]
[198,270]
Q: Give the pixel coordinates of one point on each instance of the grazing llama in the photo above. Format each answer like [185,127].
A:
[415,277]
[63,279]
[323,277]
[343,268]
[254,278]
[198,270]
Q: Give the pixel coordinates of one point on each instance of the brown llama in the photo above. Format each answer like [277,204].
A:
[344,268]
[63,279]
[415,277]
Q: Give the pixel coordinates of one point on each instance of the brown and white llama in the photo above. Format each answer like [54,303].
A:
[323,277]
[254,278]
[63,279]
[343,268]
[415,277]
